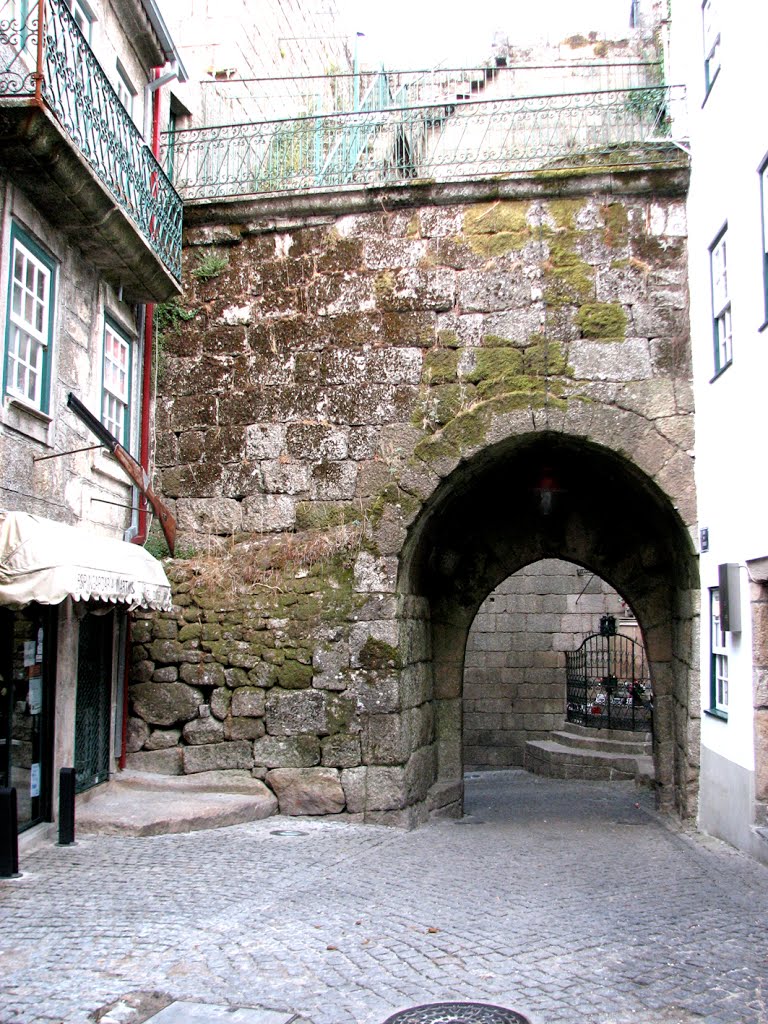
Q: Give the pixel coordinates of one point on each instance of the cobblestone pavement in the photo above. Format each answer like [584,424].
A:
[571,902]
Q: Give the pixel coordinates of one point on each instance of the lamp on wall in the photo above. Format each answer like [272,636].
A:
[546,488]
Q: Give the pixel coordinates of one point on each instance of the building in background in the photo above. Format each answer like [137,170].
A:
[715,48]
[90,234]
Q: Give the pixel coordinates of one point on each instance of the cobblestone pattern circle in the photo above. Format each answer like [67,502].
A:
[457,1013]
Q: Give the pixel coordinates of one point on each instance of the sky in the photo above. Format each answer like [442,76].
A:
[424,33]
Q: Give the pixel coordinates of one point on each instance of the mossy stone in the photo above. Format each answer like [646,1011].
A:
[441,366]
[502,215]
[466,430]
[492,229]
[292,675]
[495,364]
[569,279]
[603,321]
[448,339]
[432,449]
[377,654]
[565,211]
[616,223]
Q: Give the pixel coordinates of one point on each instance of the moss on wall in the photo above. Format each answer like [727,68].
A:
[604,321]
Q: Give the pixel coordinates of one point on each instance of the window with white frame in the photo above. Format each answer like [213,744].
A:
[718,657]
[764,211]
[116,383]
[29,322]
[83,17]
[721,303]
[125,88]
[711,25]
[20,15]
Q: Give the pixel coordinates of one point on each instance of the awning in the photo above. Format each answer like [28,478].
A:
[45,561]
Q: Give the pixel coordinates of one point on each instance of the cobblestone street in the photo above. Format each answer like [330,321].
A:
[566,901]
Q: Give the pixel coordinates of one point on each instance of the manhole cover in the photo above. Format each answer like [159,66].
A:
[457,1013]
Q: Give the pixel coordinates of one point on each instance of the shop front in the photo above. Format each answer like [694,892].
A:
[65,595]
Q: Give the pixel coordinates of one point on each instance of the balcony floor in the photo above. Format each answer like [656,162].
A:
[41,159]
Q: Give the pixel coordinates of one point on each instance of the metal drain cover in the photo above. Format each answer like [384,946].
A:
[457,1013]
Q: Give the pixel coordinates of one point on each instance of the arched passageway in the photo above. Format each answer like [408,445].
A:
[515,662]
[541,496]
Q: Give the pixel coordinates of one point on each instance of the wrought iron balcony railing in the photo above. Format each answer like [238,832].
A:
[445,141]
[57,68]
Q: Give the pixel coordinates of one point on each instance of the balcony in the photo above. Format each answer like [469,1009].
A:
[69,144]
[405,128]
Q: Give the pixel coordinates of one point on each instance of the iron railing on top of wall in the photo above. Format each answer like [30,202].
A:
[60,70]
[445,141]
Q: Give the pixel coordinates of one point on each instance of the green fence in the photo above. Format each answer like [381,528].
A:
[450,140]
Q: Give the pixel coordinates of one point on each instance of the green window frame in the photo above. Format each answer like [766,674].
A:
[116,371]
[763,172]
[29,322]
[722,328]
[710,20]
[718,659]
[83,17]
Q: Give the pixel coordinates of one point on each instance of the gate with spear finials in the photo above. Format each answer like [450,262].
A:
[608,683]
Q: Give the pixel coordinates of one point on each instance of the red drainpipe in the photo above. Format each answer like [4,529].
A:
[146,379]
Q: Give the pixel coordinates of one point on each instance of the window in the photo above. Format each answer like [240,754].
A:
[711,23]
[116,384]
[718,657]
[21,19]
[29,322]
[721,304]
[125,89]
[764,209]
[83,17]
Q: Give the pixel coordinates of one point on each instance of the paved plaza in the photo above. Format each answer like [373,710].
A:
[570,902]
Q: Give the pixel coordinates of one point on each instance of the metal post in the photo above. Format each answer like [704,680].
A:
[66,806]
[9,834]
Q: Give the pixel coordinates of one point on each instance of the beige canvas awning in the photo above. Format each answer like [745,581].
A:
[45,561]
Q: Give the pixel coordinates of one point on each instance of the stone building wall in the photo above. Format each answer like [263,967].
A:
[514,672]
[339,371]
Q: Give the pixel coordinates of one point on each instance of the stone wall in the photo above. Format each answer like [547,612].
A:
[514,675]
[371,361]
[280,674]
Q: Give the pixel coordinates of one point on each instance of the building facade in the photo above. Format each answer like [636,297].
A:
[90,235]
[715,49]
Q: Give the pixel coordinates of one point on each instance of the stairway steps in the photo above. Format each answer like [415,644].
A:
[561,761]
[611,741]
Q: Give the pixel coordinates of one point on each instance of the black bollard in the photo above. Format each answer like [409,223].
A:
[66,806]
[9,835]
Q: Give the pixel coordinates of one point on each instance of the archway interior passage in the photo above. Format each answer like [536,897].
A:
[515,670]
[547,495]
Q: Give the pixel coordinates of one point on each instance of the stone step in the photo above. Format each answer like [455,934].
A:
[607,740]
[141,804]
[558,761]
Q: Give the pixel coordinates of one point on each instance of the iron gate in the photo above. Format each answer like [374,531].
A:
[608,684]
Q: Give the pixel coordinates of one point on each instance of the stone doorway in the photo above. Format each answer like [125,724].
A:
[488,520]
[514,669]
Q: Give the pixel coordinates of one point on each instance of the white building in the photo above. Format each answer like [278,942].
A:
[716,48]
[90,233]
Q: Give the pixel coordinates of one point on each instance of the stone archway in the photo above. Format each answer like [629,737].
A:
[485,521]
[515,661]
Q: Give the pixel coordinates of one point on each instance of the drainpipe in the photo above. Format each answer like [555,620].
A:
[142,527]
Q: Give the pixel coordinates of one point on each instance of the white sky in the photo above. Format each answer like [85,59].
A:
[423,33]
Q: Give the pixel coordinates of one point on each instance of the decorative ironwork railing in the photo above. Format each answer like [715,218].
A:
[608,685]
[240,100]
[60,69]
[443,142]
